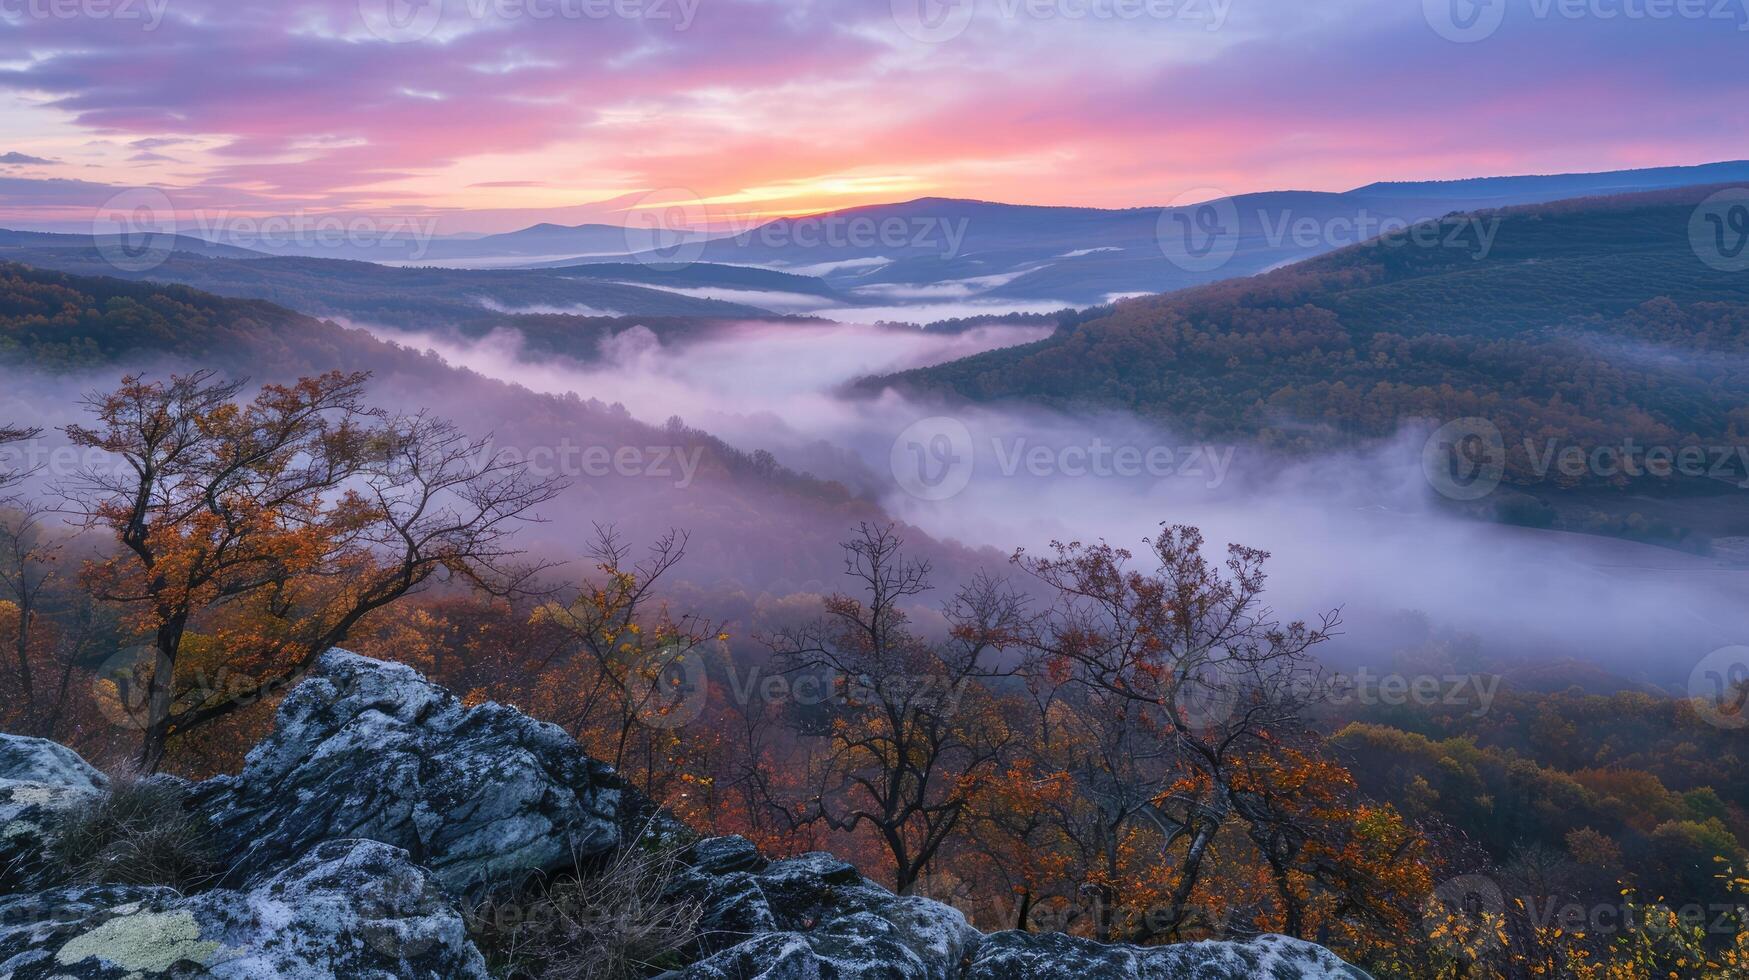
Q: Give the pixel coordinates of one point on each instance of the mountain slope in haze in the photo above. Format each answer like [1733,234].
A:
[23,241]
[410,298]
[409,246]
[752,523]
[1587,324]
[537,240]
[1500,191]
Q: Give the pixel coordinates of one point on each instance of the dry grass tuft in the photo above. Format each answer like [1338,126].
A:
[136,833]
[616,922]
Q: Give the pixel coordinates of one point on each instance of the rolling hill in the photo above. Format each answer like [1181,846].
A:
[26,241]
[541,241]
[1590,323]
[409,298]
[1499,191]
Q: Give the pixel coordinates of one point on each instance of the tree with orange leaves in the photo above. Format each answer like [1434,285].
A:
[636,676]
[51,631]
[255,535]
[914,737]
[1182,681]
[24,576]
[1349,872]
[1010,870]
[1107,765]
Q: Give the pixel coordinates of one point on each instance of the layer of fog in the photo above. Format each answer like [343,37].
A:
[946,289]
[865,264]
[936,312]
[1362,531]
[878,304]
[574,309]
[771,386]
[765,299]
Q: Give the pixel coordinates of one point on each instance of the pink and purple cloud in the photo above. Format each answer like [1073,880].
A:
[523,110]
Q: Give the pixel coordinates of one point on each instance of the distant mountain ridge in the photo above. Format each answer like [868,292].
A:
[544,239]
[988,256]
[15,240]
[1076,256]
[1571,185]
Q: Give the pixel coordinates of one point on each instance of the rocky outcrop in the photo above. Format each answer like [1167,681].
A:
[367,749]
[36,760]
[379,801]
[1025,956]
[345,909]
[813,916]
[37,778]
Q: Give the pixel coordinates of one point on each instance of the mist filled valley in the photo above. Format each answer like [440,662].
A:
[1358,519]
[1362,529]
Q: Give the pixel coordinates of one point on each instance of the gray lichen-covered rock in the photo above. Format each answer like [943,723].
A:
[372,750]
[346,909]
[37,760]
[814,916]
[26,813]
[37,778]
[1053,956]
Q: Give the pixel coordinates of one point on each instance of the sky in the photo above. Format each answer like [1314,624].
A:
[488,115]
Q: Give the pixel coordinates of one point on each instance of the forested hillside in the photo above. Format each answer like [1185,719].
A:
[752,521]
[1590,321]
